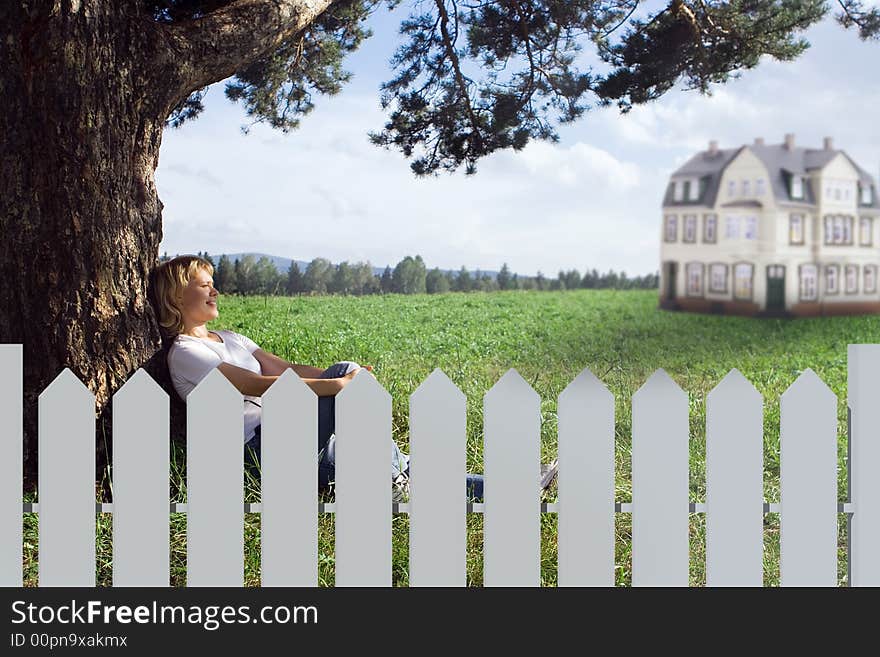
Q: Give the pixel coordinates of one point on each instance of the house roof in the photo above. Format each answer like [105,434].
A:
[781,162]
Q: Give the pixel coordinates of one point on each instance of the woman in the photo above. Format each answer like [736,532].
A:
[187,301]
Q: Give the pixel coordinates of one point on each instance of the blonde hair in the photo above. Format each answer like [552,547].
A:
[169,280]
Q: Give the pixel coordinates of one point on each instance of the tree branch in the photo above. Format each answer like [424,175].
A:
[211,48]
[456,67]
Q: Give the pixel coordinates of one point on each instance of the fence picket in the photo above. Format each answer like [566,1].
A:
[511,523]
[10,464]
[734,483]
[289,473]
[586,483]
[66,471]
[140,483]
[808,483]
[215,484]
[437,554]
[660,483]
[363,483]
[864,463]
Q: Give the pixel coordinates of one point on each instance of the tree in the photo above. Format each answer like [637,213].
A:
[82,125]
[343,281]
[319,276]
[463,281]
[409,276]
[224,276]
[503,278]
[365,281]
[245,275]
[387,281]
[294,279]
[540,281]
[436,282]
[265,277]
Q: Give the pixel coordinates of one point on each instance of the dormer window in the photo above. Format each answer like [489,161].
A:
[866,195]
[696,190]
[686,190]
[677,190]
[797,187]
[760,187]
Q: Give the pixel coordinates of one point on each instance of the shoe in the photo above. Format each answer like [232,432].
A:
[548,473]
[400,488]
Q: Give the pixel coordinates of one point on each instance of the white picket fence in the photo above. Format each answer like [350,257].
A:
[660,505]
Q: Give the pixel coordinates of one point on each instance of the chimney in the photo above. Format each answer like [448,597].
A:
[759,141]
[829,144]
[789,141]
[713,147]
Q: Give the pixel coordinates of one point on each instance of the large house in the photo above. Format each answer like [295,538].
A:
[771,229]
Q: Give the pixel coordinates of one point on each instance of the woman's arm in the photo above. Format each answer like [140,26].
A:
[255,385]
[247,382]
[272,365]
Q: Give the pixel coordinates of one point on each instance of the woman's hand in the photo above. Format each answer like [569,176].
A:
[346,379]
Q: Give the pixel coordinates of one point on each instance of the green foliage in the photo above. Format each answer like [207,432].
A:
[409,276]
[702,43]
[855,14]
[475,77]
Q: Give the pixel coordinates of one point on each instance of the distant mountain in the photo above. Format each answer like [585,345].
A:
[283,264]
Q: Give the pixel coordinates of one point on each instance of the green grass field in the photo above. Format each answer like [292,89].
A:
[549,337]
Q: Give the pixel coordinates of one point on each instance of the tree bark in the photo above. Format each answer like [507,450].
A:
[80,217]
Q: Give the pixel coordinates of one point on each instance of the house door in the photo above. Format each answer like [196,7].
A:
[776,287]
[670,272]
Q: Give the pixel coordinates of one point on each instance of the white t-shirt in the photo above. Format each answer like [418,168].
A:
[191,359]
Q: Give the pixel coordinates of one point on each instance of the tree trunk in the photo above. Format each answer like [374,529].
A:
[80,217]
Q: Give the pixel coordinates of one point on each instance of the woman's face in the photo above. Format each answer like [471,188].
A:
[199,299]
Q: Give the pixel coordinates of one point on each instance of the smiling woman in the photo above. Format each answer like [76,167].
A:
[187,301]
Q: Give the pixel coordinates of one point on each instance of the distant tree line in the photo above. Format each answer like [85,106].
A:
[251,276]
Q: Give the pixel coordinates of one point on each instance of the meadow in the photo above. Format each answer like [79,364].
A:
[549,338]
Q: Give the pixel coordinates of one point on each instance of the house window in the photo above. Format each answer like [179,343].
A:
[710,224]
[742,281]
[690,228]
[747,188]
[796,229]
[671,228]
[751,228]
[852,279]
[731,188]
[677,190]
[838,229]
[866,226]
[760,187]
[686,190]
[732,230]
[870,279]
[808,278]
[831,279]
[797,187]
[694,279]
[866,194]
[717,277]
[696,190]
[836,193]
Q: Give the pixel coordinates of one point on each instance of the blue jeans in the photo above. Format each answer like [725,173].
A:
[327,442]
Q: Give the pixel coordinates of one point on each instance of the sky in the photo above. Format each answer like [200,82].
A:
[590,201]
